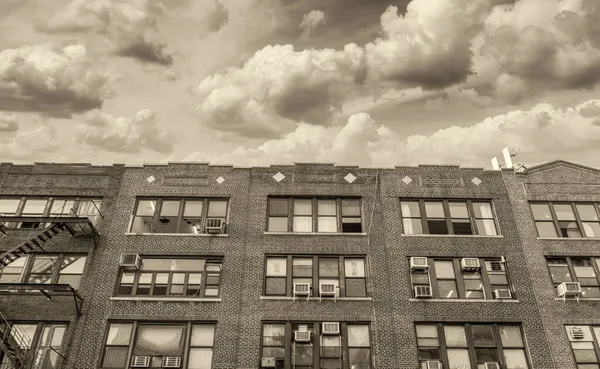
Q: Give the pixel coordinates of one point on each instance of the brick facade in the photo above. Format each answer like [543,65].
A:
[390,310]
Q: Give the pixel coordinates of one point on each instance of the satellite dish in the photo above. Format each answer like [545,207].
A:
[495,164]
[507,158]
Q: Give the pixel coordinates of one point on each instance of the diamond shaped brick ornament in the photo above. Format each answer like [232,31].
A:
[151,179]
[279,177]
[220,180]
[350,178]
[476,181]
[406,179]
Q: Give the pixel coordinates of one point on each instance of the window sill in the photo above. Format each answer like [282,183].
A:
[166,299]
[177,234]
[316,233]
[580,299]
[570,238]
[467,300]
[316,298]
[453,235]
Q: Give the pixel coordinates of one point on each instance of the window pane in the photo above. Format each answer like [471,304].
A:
[273,334]
[278,207]
[587,212]
[590,292]
[360,358]
[200,358]
[327,224]
[511,336]
[458,210]
[61,207]
[115,357]
[170,208]
[455,336]
[486,355]
[459,359]
[146,207]
[156,264]
[591,229]
[541,212]
[356,287]
[303,224]
[412,226]
[202,335]
[326,207]
[275,286]
[564,212]
[34,207]
[188,265]
[482,335]
[217,208]
[462,226]
[193,208]
[354,267]
[584,272]
[420,278]
[410,209]
[483,210]
[278,224]
[328,267]
[486,227]
[302,267]
[72,265]
[9,207]
[427,331]
[434,209]
[351,208]
[447,289]
[276,267]
[302,207]
[546,229]
[157,340]
[358,336]
[437,226]
[119,334]
[444,269]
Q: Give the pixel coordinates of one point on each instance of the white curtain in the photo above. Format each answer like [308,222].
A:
[200,358]
[302,224]
[459,359]
[515,359]
[354,268]
[276,267]
[327,224]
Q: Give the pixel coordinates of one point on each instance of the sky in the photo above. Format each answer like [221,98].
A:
[374,83]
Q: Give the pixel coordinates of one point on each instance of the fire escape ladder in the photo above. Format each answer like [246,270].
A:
[14,343]
[37,241]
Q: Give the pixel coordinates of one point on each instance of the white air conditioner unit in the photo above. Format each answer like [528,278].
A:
[330,328]
[470,264]
[130,261]
[214,225]
[494,266]
[171,362]
[327,289]
[569,289]
[140,361]
[418,263]
[502,293]
[302,336]
[491,366]
[422,291]
[268,362]
[576,333]
[301,289]
[433,364]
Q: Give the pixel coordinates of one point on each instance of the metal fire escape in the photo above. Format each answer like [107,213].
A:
[14,343]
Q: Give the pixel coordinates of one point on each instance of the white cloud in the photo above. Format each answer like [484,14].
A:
[8,122]
[124,134]
[311,21]
[130,25]
[50,79]
[29,145]
[543,133]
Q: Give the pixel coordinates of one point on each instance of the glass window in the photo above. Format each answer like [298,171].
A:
[34,207]
[303,221]
[201,346]
[327,216]
[446,282]
[8,207]
[276,276]
[411,217]
[459,214]
[142,221]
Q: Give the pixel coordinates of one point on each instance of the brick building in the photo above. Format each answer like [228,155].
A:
[188,265]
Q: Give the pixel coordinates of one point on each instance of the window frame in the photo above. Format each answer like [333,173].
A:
[289,277]
[203,281]
[180,216]
[488,290]
[316,325]
[471,347]
[134,333]
[594,262]
[314,214]
[448,217]
[38,335]
[77,201]
[56,273]
[595,343]
[555,220]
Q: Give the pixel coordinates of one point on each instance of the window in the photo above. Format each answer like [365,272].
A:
[42,341]
[468,217]
[584,343]
[461,346]
[158,340]
[176,277]
[569,220]
[350,348]
[346,272]
[448,280]
[46,269]
[321,215]
[586,271]
[173,215]
[48,207]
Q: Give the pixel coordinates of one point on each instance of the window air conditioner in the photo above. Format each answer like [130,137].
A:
[330,328]
[215,225]
[569,289]
[433,364]
[576,333]
[419,263]
[327,289]
[491,366]
[130,261]
[470,264]
[302,336]
[502,293]
[301,289]
[140,361]
[422,291]
[171,362]
[494,266]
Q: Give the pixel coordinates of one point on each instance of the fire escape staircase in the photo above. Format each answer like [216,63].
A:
[15,344]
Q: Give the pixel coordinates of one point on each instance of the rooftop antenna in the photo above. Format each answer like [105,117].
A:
[508,162]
